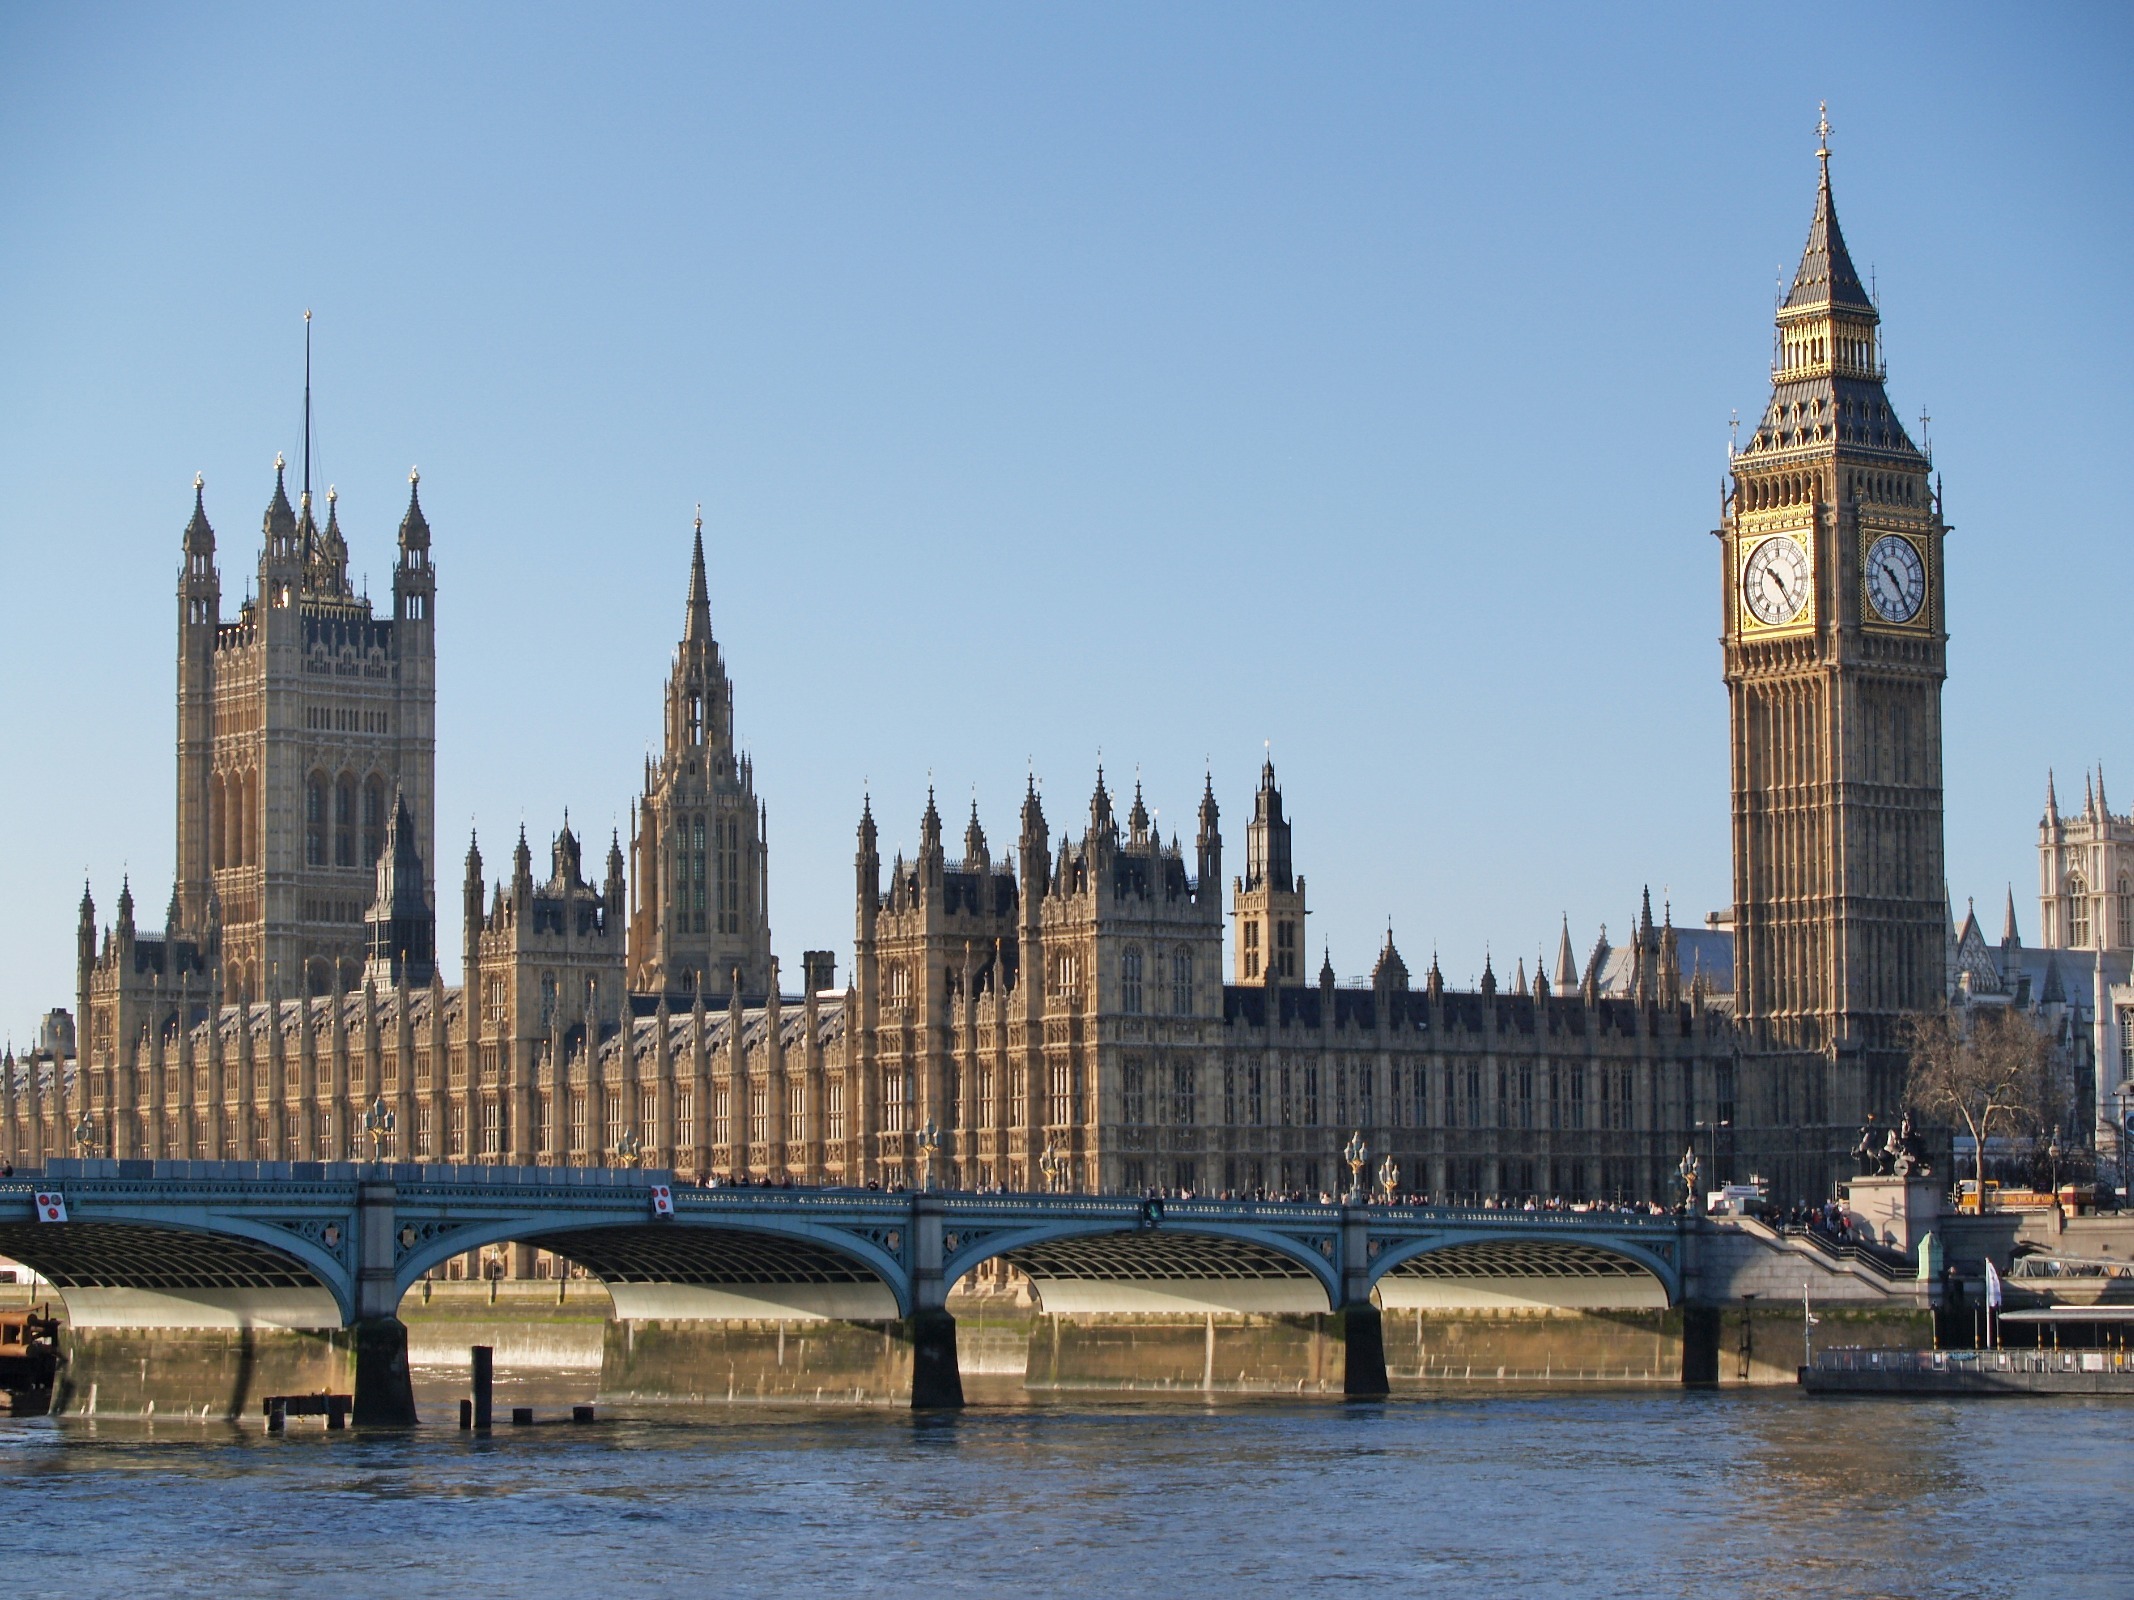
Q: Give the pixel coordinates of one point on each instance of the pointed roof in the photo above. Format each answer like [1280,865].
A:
[281,517]
[974,844]
[2008,933]
[1826,278]
[199,535]
[414,526]
[697,624]
[1566,962]
[2052,800]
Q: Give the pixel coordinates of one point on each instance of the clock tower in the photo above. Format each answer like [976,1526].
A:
[1835,647]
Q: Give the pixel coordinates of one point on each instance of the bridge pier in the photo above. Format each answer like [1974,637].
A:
[936,1380]
[1363,1334]
[385,1389]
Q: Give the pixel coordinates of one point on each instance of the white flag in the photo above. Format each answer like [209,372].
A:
[662,1200]
[51,1206]
[1993,1287]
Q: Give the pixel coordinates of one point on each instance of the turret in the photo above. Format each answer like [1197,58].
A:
[867,874]
[612,888]
[1208,843]
[199,616]
[1035,850]
[471,915]
[414,580]
[401,927]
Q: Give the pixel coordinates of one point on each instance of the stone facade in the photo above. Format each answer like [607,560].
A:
[1058,1015]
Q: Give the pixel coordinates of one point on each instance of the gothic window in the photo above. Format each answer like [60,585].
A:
[1578,1098]
[898,983]
[2078,913]
[217,806]
[1366,1098]
[1311,1094]
[1252,948]
[1182,982]
[721,1125]
[549,994]
[1526,1094]
[1419,1094]
[796,1108]
[759,1106]
[1184,1112]
[685,1118]
[1130,981]
[611,1124]
[1285,938]
[344,818]
[2126,912]
[1062,1087]
[729,875]
[1018,1084]
[1066,974]
[315,821]
[456,1129]
[492,1128]
[1255,1099]
[1474,1095]
[1229,1096]
[373,820]
[1133,1081]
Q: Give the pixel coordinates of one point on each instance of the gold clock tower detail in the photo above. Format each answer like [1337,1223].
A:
[1835,654]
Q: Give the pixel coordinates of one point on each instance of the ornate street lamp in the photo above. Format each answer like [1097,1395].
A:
[928,1141]
[1388,1179]
[1053,1166]
[379,1122]
[1357,1154]
[1688,1169]
[85,1135]
[628,1148]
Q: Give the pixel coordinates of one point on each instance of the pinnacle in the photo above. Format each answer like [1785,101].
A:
[697,624]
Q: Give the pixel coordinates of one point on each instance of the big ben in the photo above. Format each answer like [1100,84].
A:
[1836,648]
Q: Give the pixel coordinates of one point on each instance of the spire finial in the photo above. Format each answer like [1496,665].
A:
[1822,133]
[700,516]
[307,402]
[199,483]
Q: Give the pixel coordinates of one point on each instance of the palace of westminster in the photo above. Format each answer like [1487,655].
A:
[1056,1013]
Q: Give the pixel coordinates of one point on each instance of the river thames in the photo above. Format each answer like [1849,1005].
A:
[1589,1495]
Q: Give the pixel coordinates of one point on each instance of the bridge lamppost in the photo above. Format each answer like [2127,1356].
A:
[85,1136]
[1356,1154]
[928,1142]
[1053,1166]
[1688,1169]
[1388,1179]
[628,1148]
[379,1122]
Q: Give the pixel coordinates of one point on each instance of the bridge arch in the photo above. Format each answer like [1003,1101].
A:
[696,1267]
[1518,1270]
[1168,1264]
[213,1271]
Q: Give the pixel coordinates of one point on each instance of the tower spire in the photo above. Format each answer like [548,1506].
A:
[307,402]
[698,624]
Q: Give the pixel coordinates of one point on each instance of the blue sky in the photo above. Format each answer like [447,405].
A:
[1163,381]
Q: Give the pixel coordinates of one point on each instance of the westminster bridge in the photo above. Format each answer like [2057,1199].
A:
[163,1248]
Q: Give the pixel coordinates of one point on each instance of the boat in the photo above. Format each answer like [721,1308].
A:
[2096,1362]
[29,1360]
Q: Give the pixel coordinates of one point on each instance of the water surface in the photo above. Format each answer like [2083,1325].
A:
[1588,1495]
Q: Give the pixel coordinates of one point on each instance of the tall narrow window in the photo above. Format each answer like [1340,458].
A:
[1184,1109]
[1133,1081]
[344,821]
[2078,913]
[1130,980]
[1182,983]
[314,821]
[373,821]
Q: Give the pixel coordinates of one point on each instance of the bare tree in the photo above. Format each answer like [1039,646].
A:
[1986,1069]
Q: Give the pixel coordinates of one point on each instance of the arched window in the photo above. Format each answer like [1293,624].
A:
[248,822]
[1182,982]
[315,820]
[898,983]
[218,808]
[373,820]
[1130,981]
[2126,913]
[344,822]
[2078,912]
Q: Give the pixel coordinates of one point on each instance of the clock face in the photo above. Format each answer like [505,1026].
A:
[1774,580]
[1896,578]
